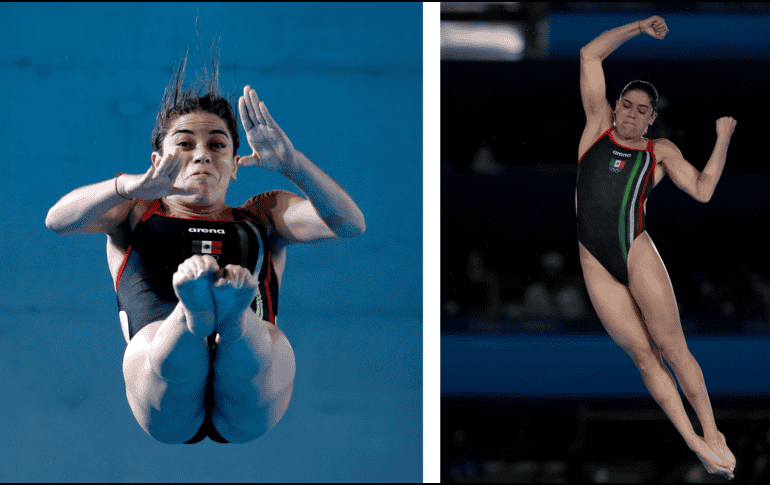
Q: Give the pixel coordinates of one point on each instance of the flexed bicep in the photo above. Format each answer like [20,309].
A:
[682,173]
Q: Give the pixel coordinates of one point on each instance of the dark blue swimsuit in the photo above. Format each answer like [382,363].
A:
[612,184]
[160,243]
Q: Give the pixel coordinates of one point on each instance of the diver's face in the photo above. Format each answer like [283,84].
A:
[206,150]
[633,114]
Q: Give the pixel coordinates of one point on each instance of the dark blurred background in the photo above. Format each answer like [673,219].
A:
[533,389]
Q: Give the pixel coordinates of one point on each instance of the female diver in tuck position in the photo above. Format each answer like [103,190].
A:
[625,277]
[197,281]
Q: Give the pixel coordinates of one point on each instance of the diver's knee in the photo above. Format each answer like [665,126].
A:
[644,358]
[676,353]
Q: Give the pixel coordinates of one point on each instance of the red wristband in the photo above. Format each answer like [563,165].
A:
[116,185]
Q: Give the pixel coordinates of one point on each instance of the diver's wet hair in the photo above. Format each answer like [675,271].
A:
[178,101]
[644,86]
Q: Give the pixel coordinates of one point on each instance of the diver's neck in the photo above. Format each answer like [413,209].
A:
[177,207]
[629,142]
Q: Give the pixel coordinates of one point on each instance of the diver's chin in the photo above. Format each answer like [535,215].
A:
[627,132]
[199,195]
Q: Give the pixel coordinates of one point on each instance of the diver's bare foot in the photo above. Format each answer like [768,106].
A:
[234,289]
[712,461]
[192,285]
[718,444]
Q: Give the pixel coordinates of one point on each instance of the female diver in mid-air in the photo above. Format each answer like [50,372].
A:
[197,281]
[625,277]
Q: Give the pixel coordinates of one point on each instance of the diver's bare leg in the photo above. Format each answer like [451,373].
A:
[624,323]
[652,291]
[166,366]
[620,316]
[254,366]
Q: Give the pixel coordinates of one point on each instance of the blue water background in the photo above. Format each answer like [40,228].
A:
[81,84]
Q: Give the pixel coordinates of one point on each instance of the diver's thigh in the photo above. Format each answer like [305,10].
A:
[171,412]
[247,406]
[651,288]
[615,306]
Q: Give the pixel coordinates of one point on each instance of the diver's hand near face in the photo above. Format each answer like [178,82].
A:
[159,180]
[271,148]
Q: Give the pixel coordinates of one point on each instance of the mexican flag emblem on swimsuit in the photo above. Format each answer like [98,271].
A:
[207,247]
[617,165]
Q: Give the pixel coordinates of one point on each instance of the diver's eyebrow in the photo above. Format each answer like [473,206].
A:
[190,132]
[640,105]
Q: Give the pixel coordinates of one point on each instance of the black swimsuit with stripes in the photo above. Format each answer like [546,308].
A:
[160,243]
[613,182]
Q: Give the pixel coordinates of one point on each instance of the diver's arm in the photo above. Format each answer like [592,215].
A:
[327,213]
[607,42]
[95,208]
[708,179]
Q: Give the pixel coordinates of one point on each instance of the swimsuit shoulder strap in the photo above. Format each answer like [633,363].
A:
[151,210]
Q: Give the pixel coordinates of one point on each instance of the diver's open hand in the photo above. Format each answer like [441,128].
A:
[158,181]
[271,148]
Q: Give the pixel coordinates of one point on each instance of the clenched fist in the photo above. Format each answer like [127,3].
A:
[725,126]
[654,26]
